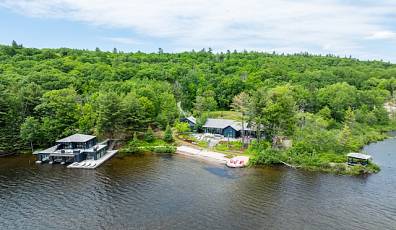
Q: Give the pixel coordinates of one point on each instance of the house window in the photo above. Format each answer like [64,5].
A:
[68,145]
[80,145]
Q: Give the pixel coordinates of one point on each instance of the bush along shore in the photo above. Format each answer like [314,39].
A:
[321,149]
[318,144]
[150,143]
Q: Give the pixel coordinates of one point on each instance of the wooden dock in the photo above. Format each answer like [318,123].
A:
[93,164]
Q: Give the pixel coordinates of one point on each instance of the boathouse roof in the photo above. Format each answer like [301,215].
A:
[359,156]
[79,138]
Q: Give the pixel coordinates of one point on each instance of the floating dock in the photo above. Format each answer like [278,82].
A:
[92,164]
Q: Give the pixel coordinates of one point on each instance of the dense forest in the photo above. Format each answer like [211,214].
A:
[317,101]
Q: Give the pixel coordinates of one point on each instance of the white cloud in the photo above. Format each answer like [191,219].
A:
[123,40]
[381,35]
[314,26]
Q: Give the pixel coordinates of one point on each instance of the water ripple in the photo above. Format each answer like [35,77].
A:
[151,192]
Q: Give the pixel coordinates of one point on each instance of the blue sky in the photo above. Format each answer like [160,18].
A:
[364,29]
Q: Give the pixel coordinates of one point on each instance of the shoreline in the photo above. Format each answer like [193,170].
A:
[202,154]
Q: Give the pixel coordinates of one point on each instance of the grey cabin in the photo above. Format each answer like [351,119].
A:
[227,128]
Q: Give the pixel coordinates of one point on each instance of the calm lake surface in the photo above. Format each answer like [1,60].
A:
[173,192]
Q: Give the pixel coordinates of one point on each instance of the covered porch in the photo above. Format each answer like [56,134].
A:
[64,158]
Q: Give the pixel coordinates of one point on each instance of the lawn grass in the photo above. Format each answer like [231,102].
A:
[231,115]
[229,146]
[142,146]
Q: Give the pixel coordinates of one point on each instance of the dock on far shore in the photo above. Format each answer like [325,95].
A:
[92,164]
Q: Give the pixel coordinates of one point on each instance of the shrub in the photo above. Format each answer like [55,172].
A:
[129,150]
[257,146]
[164,149]
[267,157]
[149,135]
[168,135]
[231,145]
[202,144]
[135,137]
[182,127]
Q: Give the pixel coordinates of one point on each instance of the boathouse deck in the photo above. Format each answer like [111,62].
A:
[92,164]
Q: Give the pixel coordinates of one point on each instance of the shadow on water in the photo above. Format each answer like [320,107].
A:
[222,172]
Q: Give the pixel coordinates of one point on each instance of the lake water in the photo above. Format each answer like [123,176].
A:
[173,192]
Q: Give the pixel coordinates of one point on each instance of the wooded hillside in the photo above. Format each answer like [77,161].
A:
[52,93]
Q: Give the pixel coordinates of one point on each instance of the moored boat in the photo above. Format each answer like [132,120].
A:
[238,162]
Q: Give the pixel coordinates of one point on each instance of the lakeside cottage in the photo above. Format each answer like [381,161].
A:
[75,148]
[227,128]
[224,127]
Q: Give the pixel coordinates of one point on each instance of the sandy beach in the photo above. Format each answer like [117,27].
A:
[202,154]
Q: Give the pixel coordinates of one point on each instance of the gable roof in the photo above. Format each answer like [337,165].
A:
[79,138]
[192,119]
[222,123]
[359,156]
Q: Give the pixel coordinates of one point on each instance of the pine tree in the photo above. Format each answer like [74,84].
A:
[168,135]
[345,137]
[349,118]
[149,135]
[135,137]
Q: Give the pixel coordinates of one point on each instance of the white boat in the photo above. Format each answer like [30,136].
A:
[238,162]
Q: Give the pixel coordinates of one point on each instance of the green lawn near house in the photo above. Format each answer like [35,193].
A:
[231,115]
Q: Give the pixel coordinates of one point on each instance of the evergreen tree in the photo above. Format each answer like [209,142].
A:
[149,135]
[135,137]
[168,135]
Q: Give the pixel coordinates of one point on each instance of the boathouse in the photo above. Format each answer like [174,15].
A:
[75,148]
[358,158]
